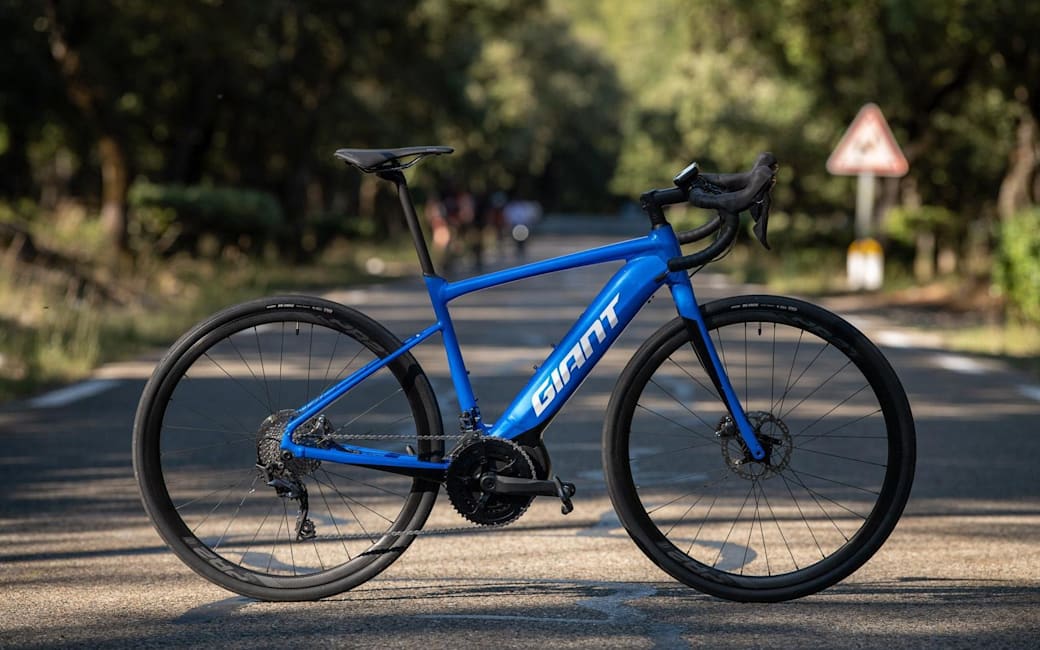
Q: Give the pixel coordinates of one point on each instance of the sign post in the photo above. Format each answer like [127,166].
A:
[866,150]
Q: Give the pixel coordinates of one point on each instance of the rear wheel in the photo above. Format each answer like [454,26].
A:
[209,465]
[834,420]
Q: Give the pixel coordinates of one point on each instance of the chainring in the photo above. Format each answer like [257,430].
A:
[474,458]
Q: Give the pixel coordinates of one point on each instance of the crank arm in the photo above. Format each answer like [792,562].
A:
[495,484]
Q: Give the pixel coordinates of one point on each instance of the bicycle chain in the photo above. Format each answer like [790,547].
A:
[415,532]
[412,533]
[391,436]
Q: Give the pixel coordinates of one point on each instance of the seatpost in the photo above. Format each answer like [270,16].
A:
[411,218]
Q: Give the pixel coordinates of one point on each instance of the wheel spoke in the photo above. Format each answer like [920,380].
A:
[679,424]
[778,523]
[210,425]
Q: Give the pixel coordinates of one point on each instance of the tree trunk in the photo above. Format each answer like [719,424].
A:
[195,136]
[111,152]
[924,256]
[1016,187]
[367,192]
[113,190]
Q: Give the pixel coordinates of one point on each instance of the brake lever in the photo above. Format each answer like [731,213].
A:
[760,213]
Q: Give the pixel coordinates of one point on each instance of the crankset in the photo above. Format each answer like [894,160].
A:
[492,481]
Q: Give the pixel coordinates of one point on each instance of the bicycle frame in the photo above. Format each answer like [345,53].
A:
[556,379]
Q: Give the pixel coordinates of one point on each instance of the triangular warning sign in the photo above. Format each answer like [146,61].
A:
[868,147]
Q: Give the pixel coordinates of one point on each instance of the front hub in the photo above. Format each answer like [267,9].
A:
[771,433]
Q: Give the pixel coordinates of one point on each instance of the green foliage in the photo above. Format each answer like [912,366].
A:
[1018,267]
[548,107]
[321,229]
[177,215]
[577,103]
[903,224]
[55,326]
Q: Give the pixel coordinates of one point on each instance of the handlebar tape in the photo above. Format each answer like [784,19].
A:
[739,191]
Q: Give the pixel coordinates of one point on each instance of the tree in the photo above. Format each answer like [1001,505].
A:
[548,115]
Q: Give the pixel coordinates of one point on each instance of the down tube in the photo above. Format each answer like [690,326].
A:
[583,346]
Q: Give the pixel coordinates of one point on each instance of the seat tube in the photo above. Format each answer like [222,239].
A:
[686,304]
[412,219]
[456,365]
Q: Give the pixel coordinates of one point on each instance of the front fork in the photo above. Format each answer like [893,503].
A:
[686,304]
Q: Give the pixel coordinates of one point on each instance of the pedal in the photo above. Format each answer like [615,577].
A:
[565,491]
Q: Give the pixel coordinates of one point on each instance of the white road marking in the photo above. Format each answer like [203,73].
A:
[906,339]
[1032,392]
[961,364]
[73,393]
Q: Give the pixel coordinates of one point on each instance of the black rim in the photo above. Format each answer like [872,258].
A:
[201,451]
[832,477]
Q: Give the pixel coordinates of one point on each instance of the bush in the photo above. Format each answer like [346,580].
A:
[174,217]
[1017,272]
[902,224]
[321,228]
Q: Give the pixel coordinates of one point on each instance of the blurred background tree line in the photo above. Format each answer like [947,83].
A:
[150,128]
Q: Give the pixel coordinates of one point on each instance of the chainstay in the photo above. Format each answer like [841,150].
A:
[391,436]
[421,532]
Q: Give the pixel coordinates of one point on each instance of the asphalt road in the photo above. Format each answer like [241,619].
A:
[80,564]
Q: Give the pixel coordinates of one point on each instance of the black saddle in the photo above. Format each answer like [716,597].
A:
[387,160]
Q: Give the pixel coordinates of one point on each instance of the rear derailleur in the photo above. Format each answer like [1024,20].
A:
[284,472]
[288,486]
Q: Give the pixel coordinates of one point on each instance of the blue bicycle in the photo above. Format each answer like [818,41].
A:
[756,448]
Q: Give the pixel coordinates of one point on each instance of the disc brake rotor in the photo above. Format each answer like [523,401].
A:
[772,434]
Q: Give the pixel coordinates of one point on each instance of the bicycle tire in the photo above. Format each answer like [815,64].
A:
[201,429]
[841,464]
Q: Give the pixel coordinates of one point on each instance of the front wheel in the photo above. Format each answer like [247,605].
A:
[826,406]
[209,465]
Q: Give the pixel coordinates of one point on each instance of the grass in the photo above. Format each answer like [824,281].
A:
[1017,342]
[57,326]
[965,314]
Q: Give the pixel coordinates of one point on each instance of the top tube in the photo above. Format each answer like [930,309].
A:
[661,241]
